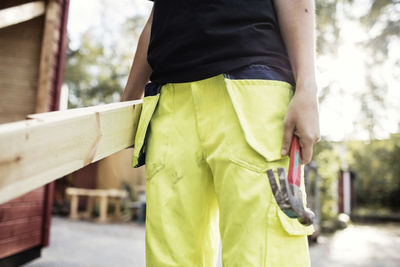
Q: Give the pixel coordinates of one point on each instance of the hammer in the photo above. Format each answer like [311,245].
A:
[289,197]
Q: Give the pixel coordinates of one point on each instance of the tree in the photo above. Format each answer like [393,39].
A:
[380,20]
[96,72]
[376,163]
[383,23]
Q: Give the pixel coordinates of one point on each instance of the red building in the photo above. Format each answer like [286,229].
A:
[32,57]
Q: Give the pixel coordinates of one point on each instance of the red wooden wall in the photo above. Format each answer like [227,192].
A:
[21,222]
[25,221]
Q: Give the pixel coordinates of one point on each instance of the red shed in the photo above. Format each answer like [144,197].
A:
[32,56]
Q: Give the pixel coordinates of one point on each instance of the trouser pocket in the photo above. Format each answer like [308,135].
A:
[150,101]
[293,226]
[260,106]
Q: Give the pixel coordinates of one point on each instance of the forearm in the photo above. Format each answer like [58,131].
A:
[297,25]
[140,71]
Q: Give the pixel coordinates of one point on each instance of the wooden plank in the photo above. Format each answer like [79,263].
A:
[17,83]
[96,192]
[10,115]
[53,144]
[15,48]
[20,226]
[7,60]
[47,208]
[20,204]
[20,92]
[14,72]
[20,243]
[5,118]
[20,54]
[11,3]
[8,110]
[12,212]
[18,14]
[36,195]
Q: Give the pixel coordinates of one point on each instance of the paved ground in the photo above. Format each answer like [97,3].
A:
[359,245]
[80,243]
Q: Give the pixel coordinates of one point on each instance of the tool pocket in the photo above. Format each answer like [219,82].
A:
[150,101]
[260,106]
[291,225]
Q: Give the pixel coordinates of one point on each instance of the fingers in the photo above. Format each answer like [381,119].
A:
[306,151]
[307,145]
[287,137]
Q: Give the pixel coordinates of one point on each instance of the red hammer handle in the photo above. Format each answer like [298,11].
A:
[294,175]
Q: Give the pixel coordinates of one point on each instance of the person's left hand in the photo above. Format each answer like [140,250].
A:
[302,119]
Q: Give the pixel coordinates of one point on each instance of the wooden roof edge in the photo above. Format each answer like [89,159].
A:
[17,14]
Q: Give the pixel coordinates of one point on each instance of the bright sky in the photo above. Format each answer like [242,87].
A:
[89,13]
[338,113]
[341,110]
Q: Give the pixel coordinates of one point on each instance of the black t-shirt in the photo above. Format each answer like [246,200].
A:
[196,39]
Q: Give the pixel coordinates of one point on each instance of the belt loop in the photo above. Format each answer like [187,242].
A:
[152,88]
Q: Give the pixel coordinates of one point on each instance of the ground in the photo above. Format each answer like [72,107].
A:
[366,245]
[81,243]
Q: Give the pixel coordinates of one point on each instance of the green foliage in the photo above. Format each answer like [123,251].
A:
[376,164]
[90,74]
[383,25]
[96,73]
[380,20]
[385,15]
[327,26]
[327,158]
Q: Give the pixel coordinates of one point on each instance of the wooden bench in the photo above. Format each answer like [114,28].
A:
[104,195]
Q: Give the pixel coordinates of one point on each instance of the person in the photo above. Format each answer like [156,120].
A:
[231,82]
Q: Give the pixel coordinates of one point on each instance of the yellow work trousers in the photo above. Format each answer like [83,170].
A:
[208,145]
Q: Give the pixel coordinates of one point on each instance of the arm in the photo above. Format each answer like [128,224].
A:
[297,25]
[140,70]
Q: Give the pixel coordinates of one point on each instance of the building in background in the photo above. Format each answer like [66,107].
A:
[32,56]
[33,41]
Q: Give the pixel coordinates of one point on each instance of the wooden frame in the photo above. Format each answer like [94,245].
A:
[47,59]
[21,13]
[50,145]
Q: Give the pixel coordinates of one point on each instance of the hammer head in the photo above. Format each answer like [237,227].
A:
[289,198]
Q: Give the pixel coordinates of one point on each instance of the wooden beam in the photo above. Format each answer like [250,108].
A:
[47,56]
[17,14]
[50,145]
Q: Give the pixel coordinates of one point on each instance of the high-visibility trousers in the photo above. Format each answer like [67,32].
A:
[207,147]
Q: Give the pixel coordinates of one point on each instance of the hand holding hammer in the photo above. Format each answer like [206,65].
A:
[289,196]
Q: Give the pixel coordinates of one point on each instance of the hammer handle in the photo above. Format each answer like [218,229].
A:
[294,175]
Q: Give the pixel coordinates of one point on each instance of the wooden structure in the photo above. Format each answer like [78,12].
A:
[104,194]
[32,55]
